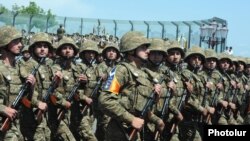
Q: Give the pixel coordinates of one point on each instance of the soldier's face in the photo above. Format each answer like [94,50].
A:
[156,57]
[174,56]
[142,52]
[15,46]
[26,54]
[111,54]
[210,63]
[67,51]
[89,55]
[240,67]
[99,58]
[224,64]
[41,49]
[248,69]
[195,60]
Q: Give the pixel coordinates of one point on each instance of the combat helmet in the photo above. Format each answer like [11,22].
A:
[132,40]
[210,53]
[100,51]
[195,50]
[158,45]
[88,45]
[40,37]
[175,45]
[234,59]
[111,45]
[66,41]
[242,60]
[226,56]
[25,48]
[8,34]
[247,60]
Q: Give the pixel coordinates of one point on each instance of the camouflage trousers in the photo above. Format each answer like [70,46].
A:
[61,132]
[117,131]
[188,131]
[59,129]
[225,120]
[247,119]
[13,134]
[102,123]
[81,125]
[30,129]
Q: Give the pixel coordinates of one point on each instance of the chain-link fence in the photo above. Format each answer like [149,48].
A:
[186,32]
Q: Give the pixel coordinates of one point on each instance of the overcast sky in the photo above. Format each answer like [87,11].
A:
[235,12]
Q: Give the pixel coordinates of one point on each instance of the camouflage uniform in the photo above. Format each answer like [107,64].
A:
[103,69]
[191,107]
[11,82]
[192,114]
[60,32]
[25,51]
[126,91]
[247,100]
[241,80]
[213,76]
[158,45]
[82,127]
[43,78]
[222,116]
[59,129]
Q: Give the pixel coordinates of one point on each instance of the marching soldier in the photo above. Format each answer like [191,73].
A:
[127,90]
[111,55]
[11,82]
[39,48]
[195,58]
[66,51]
[247,96]
[229,85]
[156,63]
[185,104]
[240,92]
[213,83]
[88,54]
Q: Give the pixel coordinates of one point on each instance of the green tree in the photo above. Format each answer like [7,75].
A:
[36,16]
[3,9]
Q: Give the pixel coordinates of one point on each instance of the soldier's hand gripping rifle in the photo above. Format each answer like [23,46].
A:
[53,85]
[184,98]
[212,103]
[146,108]
[20,97]
[227,95]
[165,105]
[93,94]
[70,97]
[233,99]
[245,98]
[204,99]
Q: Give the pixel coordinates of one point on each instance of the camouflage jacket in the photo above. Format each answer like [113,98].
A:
[126,92]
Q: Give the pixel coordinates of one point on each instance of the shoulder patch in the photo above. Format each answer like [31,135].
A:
[112,83]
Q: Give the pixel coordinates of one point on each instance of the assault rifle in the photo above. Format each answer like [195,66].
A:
[53,85]
[204,99]
[93,94]
[184,98]
[20,98]
[212,103]
[165,106]
[70,97]
[146,108]
[228,94]
[233,100]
